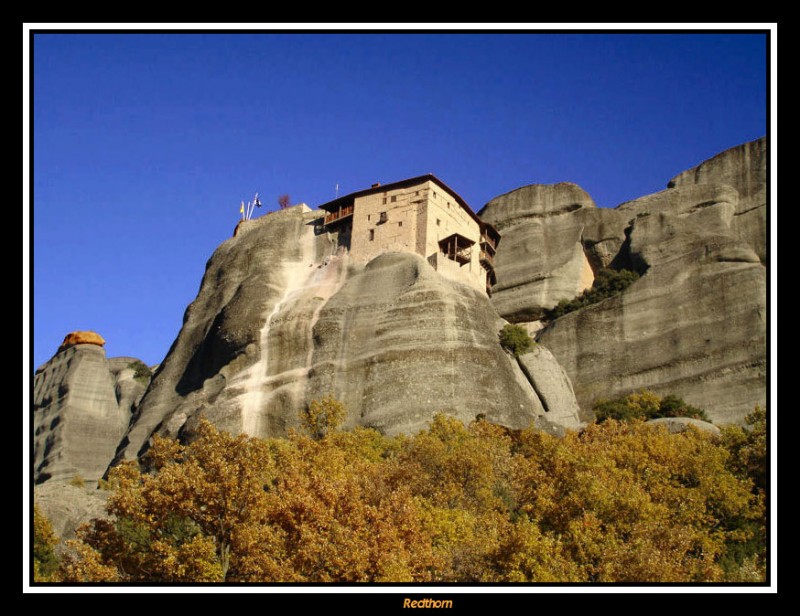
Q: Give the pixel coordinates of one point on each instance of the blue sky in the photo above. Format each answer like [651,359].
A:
[145,144]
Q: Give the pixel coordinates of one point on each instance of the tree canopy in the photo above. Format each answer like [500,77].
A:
[619,502]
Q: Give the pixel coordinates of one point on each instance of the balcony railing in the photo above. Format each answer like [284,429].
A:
[342,212]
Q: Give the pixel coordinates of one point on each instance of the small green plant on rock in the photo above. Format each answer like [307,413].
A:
[515,339]
[140,371]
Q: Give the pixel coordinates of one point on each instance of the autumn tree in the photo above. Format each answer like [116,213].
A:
[190,518]
[631,502]
[45,562]
[618,502]
[746,561]
[323,416]
[240,509]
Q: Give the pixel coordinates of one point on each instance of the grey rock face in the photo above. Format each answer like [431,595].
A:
[681,424]
[245,279]
[68,506]
[553,387]
[744,168]
[128,390]
[76,418]
[540,259]
[694,324]
[282,317]
[400,343]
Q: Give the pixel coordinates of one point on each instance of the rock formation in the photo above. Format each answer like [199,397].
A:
[81,407]
[67,506]
[283,317]
[681,424]
[694,324]
[744,168]
[540,258]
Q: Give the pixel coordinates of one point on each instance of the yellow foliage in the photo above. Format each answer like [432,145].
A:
[45,540]
[620,502]
[323,416]
[85,565]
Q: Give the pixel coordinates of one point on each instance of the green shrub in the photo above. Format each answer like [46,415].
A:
[515,339]
[141,372]
[607,284]
[77,481]
[645,405]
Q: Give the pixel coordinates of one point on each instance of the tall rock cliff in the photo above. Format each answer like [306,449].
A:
[81,408]
[694,324]
[744,168]
[283,317]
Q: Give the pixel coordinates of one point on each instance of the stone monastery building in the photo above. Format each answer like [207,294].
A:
[421,215]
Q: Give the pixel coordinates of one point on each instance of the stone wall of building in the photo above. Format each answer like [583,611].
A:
[415,219]
[445,217]
[384,222]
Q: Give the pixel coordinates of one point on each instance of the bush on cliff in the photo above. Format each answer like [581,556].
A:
[607,284]
[141,372]
[645,405]
[515,339]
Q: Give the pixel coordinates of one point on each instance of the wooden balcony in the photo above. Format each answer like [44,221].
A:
[487,259]
[457,247]
[337,215]
[489,242]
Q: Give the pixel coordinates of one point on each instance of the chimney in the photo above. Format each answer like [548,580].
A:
[375,185]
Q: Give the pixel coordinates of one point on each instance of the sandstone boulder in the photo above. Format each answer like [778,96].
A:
[552,386]
[681,424]
[540,258]
[67,506]
[128,388]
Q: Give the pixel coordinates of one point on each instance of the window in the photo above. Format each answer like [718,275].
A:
[448,205]
[416,194]
[400,224]
[384,217]
[394,198]
[371,234]
[368,215]
[434,194]
[384,201]
[438,223]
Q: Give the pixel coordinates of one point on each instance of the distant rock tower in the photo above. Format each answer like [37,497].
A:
[78,418]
